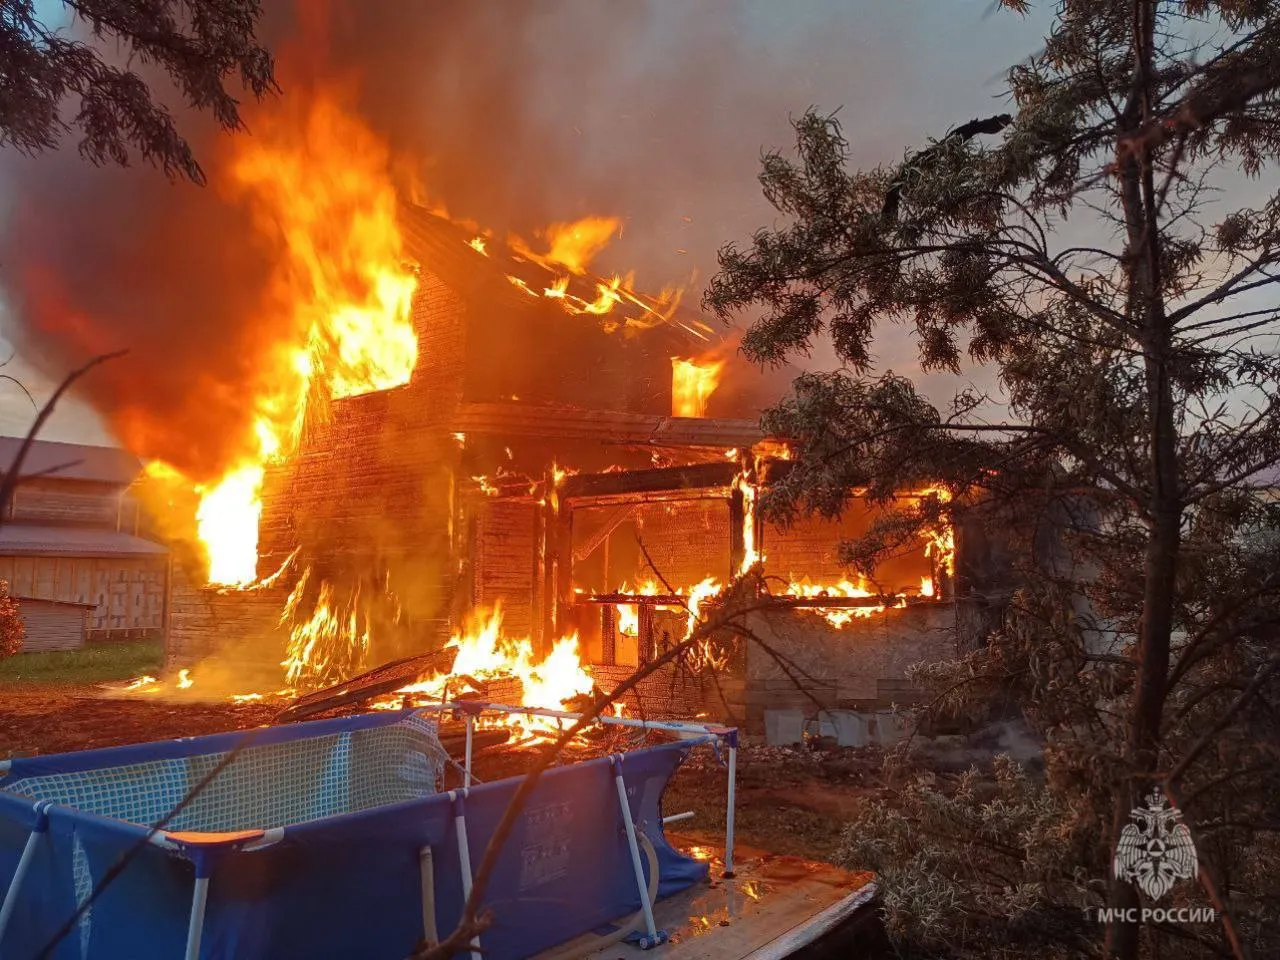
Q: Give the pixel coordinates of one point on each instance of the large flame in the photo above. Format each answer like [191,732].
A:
[571,246]
[316,180]
[485,653]
[692,383]
[332,640]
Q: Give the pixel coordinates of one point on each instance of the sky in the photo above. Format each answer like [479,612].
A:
[668,133]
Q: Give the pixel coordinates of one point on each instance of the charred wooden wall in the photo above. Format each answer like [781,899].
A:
[687,541]
[533,351]
[809,548]
[372,490]
[505,557]
[667,694]
[240,626]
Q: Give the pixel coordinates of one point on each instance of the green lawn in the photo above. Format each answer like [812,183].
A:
[97,663]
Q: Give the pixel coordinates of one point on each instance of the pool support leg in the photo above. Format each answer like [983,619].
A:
[728,813]
[464,856]
[426,867]
[195,926]
[467,759]
[24,864]
[654,937]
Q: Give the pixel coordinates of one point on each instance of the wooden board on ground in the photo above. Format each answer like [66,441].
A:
[369,685]
[774,907]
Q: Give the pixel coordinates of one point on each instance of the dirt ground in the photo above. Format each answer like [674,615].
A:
[55,718]
[789,801]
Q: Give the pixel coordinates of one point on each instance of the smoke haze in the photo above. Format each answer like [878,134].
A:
[514,115]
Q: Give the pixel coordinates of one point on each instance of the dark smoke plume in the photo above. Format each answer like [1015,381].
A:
[511,114]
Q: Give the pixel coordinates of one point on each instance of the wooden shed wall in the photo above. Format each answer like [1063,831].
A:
[49,500]
[52,626]
[125,594]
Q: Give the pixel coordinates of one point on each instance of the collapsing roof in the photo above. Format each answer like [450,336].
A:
[72,461]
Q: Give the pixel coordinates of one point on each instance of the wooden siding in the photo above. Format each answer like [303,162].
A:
[66,501]
[52,626]
[124,594]
[505,558]
[243,624]
[372,489]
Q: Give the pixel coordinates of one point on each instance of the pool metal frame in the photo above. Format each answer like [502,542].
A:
[247,840]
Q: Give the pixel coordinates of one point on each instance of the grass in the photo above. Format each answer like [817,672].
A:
[97,663]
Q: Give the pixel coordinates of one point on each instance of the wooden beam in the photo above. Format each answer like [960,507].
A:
[601,536]
[652,600]
[699,476]
[609,634]
[737,542]
[563,532]
[569,423]
[644,639]
[850,603]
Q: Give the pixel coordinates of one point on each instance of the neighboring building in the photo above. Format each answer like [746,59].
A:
[71,549]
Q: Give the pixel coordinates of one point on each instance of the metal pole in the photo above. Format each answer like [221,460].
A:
[728,814]
[680,727]
[426,867]
[467,763]
[677,817]
[195,927]
[464,857]
[20,874]
[645,905]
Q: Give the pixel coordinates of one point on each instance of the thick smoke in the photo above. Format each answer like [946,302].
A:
[511,114]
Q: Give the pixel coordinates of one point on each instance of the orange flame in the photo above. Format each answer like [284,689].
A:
[318,186]
[692,384]
[484,652]
[329,643]
[571,245]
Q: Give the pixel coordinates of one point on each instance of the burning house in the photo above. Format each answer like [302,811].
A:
[536,461]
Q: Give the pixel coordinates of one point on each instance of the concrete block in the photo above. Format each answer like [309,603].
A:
[784,727]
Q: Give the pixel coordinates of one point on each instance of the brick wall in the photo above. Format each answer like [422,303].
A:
[862,665]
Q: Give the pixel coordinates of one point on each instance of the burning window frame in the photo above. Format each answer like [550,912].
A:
[561,605]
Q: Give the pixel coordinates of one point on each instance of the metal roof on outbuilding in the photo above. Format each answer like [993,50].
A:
[20,539]
[71,461]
